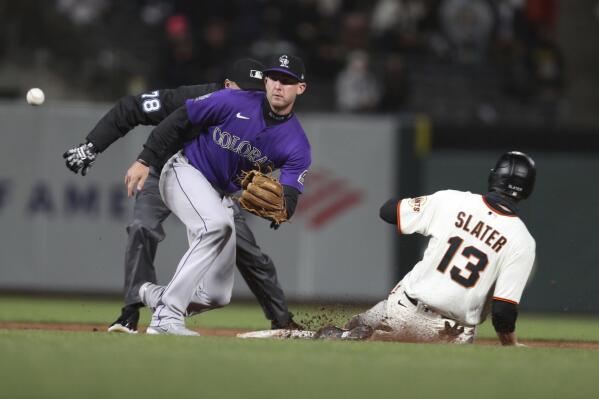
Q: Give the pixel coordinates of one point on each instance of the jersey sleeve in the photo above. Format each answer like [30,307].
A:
[415,215]
[209,109]
[144,109]
[181,94]
[295,169]
[170,131]
[514,275]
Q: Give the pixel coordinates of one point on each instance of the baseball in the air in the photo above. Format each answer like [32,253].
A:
[35,96]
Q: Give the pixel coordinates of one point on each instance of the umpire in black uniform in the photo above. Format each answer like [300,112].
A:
[149,212]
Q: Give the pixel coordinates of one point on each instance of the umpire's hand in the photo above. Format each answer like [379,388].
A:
[136,177]
[80,158]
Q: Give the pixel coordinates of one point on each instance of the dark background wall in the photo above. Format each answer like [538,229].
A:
[576,29]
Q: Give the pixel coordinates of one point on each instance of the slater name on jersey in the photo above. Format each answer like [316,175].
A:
[479,229]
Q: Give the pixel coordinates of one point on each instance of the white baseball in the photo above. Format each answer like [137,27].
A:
[35,96]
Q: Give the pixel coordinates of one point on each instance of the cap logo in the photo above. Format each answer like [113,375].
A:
[255,74]
[284,61]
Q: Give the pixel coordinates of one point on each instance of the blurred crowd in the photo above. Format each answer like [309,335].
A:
[361,56]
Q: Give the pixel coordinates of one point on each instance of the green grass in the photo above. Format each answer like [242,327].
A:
[53,364]
[98,311]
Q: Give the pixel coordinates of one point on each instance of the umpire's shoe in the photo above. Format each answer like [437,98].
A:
[289,325]
[127,321]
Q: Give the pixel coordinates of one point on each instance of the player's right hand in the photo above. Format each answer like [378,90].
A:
[80,158]
[451,332]
[136,177]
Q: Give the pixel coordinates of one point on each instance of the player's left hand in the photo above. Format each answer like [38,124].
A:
[136,177]
[263,195]
[80,158]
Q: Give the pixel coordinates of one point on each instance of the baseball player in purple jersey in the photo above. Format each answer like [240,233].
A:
[226,132]
[145,231]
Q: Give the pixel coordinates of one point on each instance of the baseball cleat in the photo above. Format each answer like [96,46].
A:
[127,321]
[358,333]
[354,322]
[171,329]
[329,332]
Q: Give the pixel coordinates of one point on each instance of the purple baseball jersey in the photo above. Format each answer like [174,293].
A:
[234,138]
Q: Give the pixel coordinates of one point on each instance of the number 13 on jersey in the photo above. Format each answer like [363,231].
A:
[475,268]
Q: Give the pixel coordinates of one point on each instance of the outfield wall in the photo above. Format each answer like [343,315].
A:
[65,233]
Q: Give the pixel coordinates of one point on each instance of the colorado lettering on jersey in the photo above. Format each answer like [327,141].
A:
[244,148]
[484,232]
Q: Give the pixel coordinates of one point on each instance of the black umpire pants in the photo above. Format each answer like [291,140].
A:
[146,231]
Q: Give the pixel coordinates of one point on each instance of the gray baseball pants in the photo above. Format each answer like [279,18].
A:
[146,231]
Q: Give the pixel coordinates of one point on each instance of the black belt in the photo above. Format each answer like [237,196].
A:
[414,301]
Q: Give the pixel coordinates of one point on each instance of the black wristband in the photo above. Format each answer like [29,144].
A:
[504,315]
[144,163]
[91,146]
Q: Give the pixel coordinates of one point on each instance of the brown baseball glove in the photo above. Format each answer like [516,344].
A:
[263,196]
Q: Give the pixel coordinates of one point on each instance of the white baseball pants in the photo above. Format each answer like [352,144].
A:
[204,277]
[399,318]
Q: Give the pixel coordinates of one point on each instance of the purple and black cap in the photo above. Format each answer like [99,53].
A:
[247,73]
[287,64]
